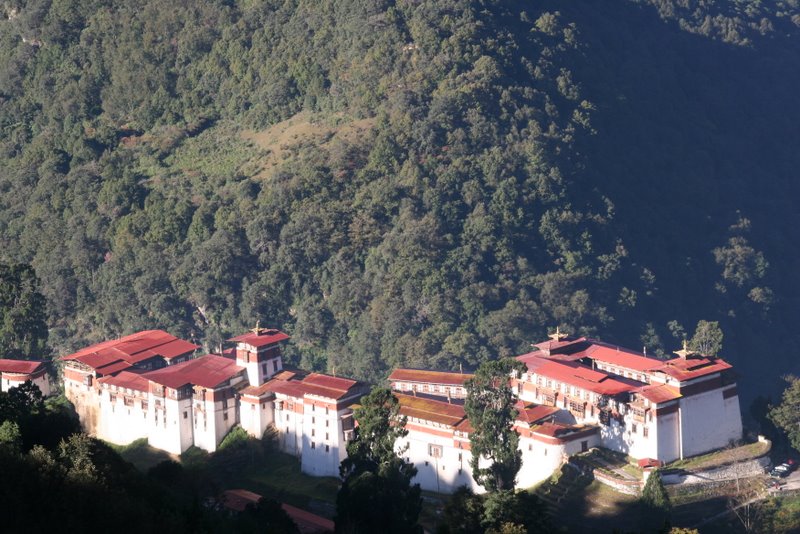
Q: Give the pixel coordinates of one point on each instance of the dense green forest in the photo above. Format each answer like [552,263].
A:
[427,184]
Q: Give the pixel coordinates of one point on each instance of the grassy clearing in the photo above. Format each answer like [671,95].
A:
[723,457]
[608,461]
[280,141]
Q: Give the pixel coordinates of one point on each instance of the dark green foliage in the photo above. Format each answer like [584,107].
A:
[654,495]
[265,516]
[500,511]
[376,493]
[490,409]
[786,415]
[520,166]
[23,325]
[463,513]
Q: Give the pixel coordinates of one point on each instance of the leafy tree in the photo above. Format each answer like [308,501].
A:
[786,415]
[23,324]
[520,508]
[707,338]
[10,436]
[490,409]
[377,494]
[463,513]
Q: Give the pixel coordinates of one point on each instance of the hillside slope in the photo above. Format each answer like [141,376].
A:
[608,170]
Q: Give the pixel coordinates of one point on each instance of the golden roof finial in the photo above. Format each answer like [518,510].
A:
[558,336]
[684,352]
[257,329]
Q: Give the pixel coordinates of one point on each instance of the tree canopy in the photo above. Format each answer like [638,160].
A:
[23,314]
[417,184]
[786,415]
[376,493]
[490,409]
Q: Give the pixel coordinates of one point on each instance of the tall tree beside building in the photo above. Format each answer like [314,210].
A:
[655,497]
[786,415]
[23,324]
[707,338]
[490,409]
[377,494]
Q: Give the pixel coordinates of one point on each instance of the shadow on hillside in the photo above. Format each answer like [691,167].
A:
[691,130]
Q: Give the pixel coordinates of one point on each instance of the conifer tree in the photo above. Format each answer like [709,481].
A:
[654,494]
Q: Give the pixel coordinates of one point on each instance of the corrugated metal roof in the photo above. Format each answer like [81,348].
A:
[658,393]
[128,380]
[133,349]
[431,410]
[687,369]
[579,375]
[261,338]
[207,371]
[24,367]
[431,377]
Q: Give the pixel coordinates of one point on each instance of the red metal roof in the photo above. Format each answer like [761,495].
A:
[207,371]
[431,410]
[687,369]
[261,337]
[21,367]
[579,375]
[291,388]
[562,431]
[128,380]
[112,368]
[658,393]
[238,499]
[430,377]
[621,357]
[133,349]
[327,381]
[308,523]
[532,413]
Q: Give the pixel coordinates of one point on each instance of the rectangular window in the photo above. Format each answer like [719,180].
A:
[327,436]
[327,448]
[185,414]
[225,416]
[313,420]
[645,431]
[633,428]
[435,451]
[312,432]
[313,445]
[287,417]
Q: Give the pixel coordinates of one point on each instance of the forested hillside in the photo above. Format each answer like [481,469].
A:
[427,184]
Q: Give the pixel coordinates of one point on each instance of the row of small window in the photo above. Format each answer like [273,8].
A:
[635,428]
[430,388]
[313,420]
[327,447]
[621,372]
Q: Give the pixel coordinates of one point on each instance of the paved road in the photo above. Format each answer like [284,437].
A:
[792,482]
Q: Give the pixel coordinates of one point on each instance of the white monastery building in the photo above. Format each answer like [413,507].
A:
[14,373]
[576,394]
[150,385]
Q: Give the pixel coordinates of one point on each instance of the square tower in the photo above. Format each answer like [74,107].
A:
[259,351]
